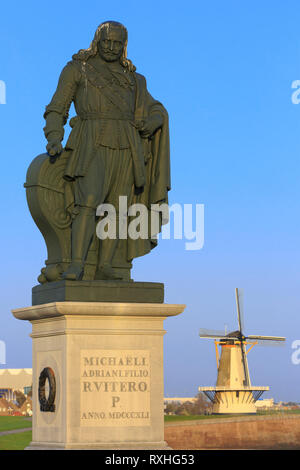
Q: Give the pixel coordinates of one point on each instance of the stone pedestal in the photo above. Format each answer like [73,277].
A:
[98,374]
[98,291]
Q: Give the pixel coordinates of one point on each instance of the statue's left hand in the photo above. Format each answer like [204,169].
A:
[150,125]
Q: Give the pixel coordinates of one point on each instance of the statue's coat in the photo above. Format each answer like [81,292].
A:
[106,116]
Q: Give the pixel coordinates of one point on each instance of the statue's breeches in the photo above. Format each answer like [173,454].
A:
[109,175]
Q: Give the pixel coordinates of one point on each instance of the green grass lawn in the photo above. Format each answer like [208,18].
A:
[13,422]
[277,412]
[171,418]
[15,441]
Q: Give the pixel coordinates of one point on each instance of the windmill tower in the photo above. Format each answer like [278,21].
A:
[233,392]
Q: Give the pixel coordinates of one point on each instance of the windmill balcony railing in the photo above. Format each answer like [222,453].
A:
[221,388]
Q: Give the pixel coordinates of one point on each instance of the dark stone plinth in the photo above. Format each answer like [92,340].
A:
[98,291]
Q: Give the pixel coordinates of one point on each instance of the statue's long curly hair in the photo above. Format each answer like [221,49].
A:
[85,54]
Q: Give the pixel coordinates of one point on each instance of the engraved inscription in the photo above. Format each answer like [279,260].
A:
[115,388]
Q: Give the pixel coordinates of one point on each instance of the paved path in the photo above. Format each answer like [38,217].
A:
[14,431]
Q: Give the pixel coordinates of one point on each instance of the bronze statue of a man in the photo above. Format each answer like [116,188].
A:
[118,146]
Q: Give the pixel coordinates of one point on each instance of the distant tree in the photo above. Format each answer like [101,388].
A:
[182,409]
[202,405]
[20,398]
[171,408]
[198,407]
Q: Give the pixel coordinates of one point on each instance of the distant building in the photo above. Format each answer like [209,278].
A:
[8,394]
[16,379]
[27,390]
[180,400]
[267,403]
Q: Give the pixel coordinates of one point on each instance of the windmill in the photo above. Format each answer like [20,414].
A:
[233,392]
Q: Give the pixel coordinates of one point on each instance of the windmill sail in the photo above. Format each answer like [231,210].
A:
[258,340]
[245,364]
[239,295]
[266,338]
[265,343]
[214,334]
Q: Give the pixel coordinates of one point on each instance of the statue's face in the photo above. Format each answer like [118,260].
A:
[111,44]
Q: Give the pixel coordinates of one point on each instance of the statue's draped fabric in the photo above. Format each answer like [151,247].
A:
[104,138]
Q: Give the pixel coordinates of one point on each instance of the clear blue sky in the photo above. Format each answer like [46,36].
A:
[224,72]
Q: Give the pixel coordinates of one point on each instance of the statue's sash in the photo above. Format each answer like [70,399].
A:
[102,81]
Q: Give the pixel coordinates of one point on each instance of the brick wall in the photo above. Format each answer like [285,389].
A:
[259,432]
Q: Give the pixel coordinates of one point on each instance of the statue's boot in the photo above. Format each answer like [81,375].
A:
[83,228]
[107,273]
[105,270]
